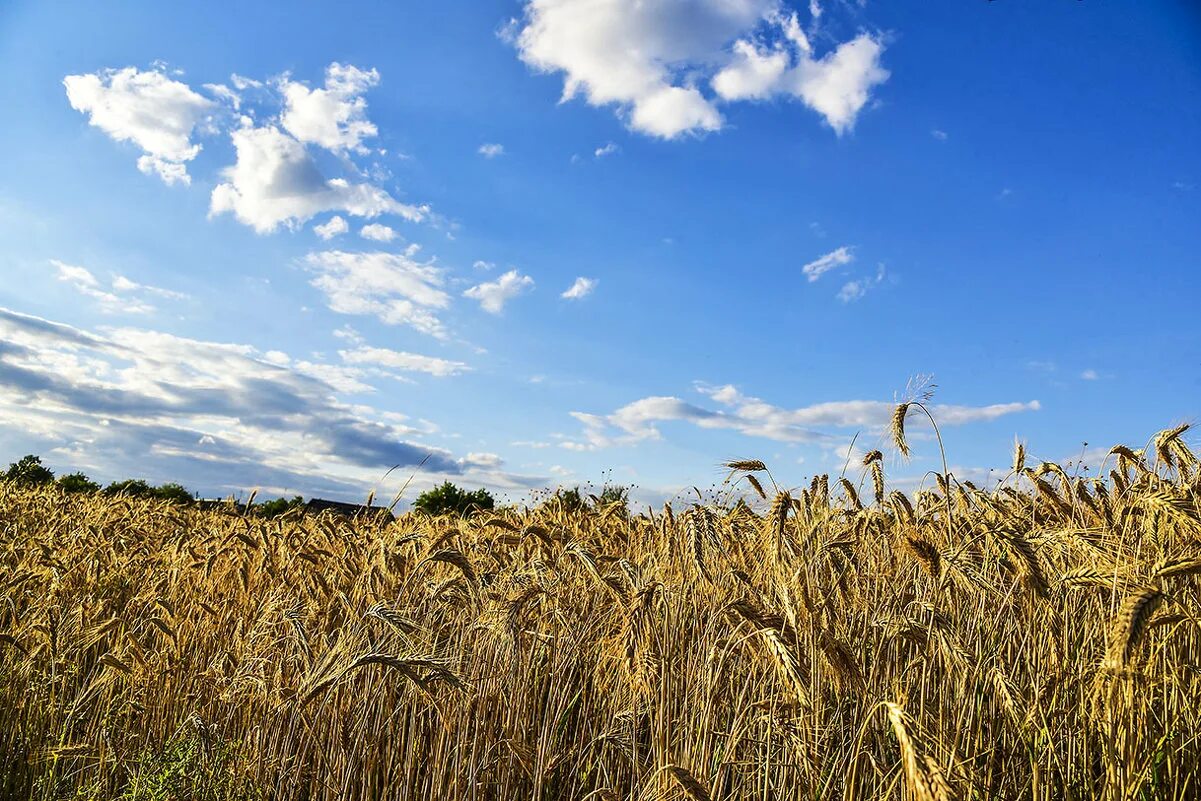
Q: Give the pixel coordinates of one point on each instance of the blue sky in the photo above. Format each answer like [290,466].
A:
[292,247]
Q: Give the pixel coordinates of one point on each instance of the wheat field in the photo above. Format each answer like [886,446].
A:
[1037,639]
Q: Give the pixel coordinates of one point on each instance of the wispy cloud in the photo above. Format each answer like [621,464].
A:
[854,290]
[145,402]
[753,417]
[823,264]
[120,296]
[400,360]
[581,288]
[491,150]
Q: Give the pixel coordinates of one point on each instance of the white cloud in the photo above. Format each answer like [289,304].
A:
[750,416]
[939,135]
[242,83]
[275,182]
[334,117]
[223,92]
[399,360]
[377,232]
[853,290]
[123,284]
[336,225]
[1090,375]
[480,264]
[121,296]
[389,286]
[607,150]
[651,59]
[227,415]
[491,151]
[493,295]
[148,109]
[823,264]
[580,289]
[477,459]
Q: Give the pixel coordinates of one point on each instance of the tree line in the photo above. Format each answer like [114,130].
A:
[446,498]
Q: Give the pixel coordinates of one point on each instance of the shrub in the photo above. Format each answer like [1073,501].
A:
[130,487]
[139,488]
[173,492]
[77,482]
[449,499]
[279,506]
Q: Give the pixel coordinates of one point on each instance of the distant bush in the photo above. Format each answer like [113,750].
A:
[172,492]
[573,500]
[130,487]
[449,499]
[139,488]
[278,506]
[77,482]
[29,470]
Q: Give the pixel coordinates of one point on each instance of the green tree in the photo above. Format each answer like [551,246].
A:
[131,487]
[449,499]
[29,470]
[77,482]
[279,506]
[171,491]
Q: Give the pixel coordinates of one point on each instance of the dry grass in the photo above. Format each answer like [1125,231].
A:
[1038,640]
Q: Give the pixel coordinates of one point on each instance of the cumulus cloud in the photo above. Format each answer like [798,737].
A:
[837,85]
[120,295]
[400,360]
[226,414]
[493,295]
[753,417]
[392,287]
[653,60]
[823,264]
[491,151]
[150,110]
[336,225]
[275,182]
[335,117]
[580,289]
[607,150]
[377,232]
